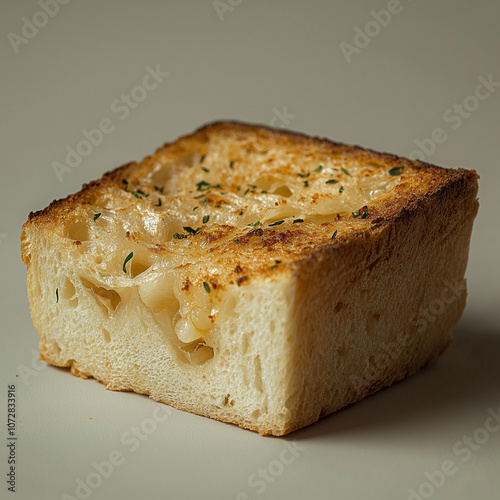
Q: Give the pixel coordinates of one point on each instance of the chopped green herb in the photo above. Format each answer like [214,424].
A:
[356,213]
[205,169]
[364,214]
[241,212]
[331,181]
[57,295]
[158,189]
[278,261]
[236,240]
[142,193]
[246,192]
[277,223]
[202,185]
[189,230]
[96,216]
[274,267]
[129,256]
[206,286]
[303,175]
[158,204]
[341,189]
[178,236]
[231,164]
[204,202]
[319,168]
[264,192]
[297,221]
[306,183]
[206,218]
[252,186]
[396,171]
[202,159]
[200,196]
[255,224]
[345,171]
[334,234]
[196,207]
[125,182]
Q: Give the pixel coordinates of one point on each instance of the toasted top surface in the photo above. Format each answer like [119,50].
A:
[232,202]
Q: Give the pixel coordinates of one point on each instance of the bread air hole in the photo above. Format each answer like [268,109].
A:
[106,335]
[164,176]
[282,190]
[78,230]
[138,267]
[67,293]
[108,300]
[197,353]
[257,374]
[181,333]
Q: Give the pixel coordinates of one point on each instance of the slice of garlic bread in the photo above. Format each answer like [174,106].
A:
[252,275]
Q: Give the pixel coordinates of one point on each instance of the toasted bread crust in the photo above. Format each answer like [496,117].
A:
[419,183]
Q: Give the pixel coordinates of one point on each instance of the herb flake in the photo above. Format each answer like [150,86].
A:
[396,171]
[57,295]
[277,223]
[206,286]
[96,216]
[318,168]
[334,235]
[331,181]
[129,256]
[206,219]
[202,185]
[345,171]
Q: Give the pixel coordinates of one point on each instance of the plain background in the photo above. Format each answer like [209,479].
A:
[279,62]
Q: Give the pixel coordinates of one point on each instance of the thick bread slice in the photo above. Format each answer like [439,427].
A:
[251,275]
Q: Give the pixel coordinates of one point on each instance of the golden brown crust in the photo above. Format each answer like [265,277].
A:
[287,243]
